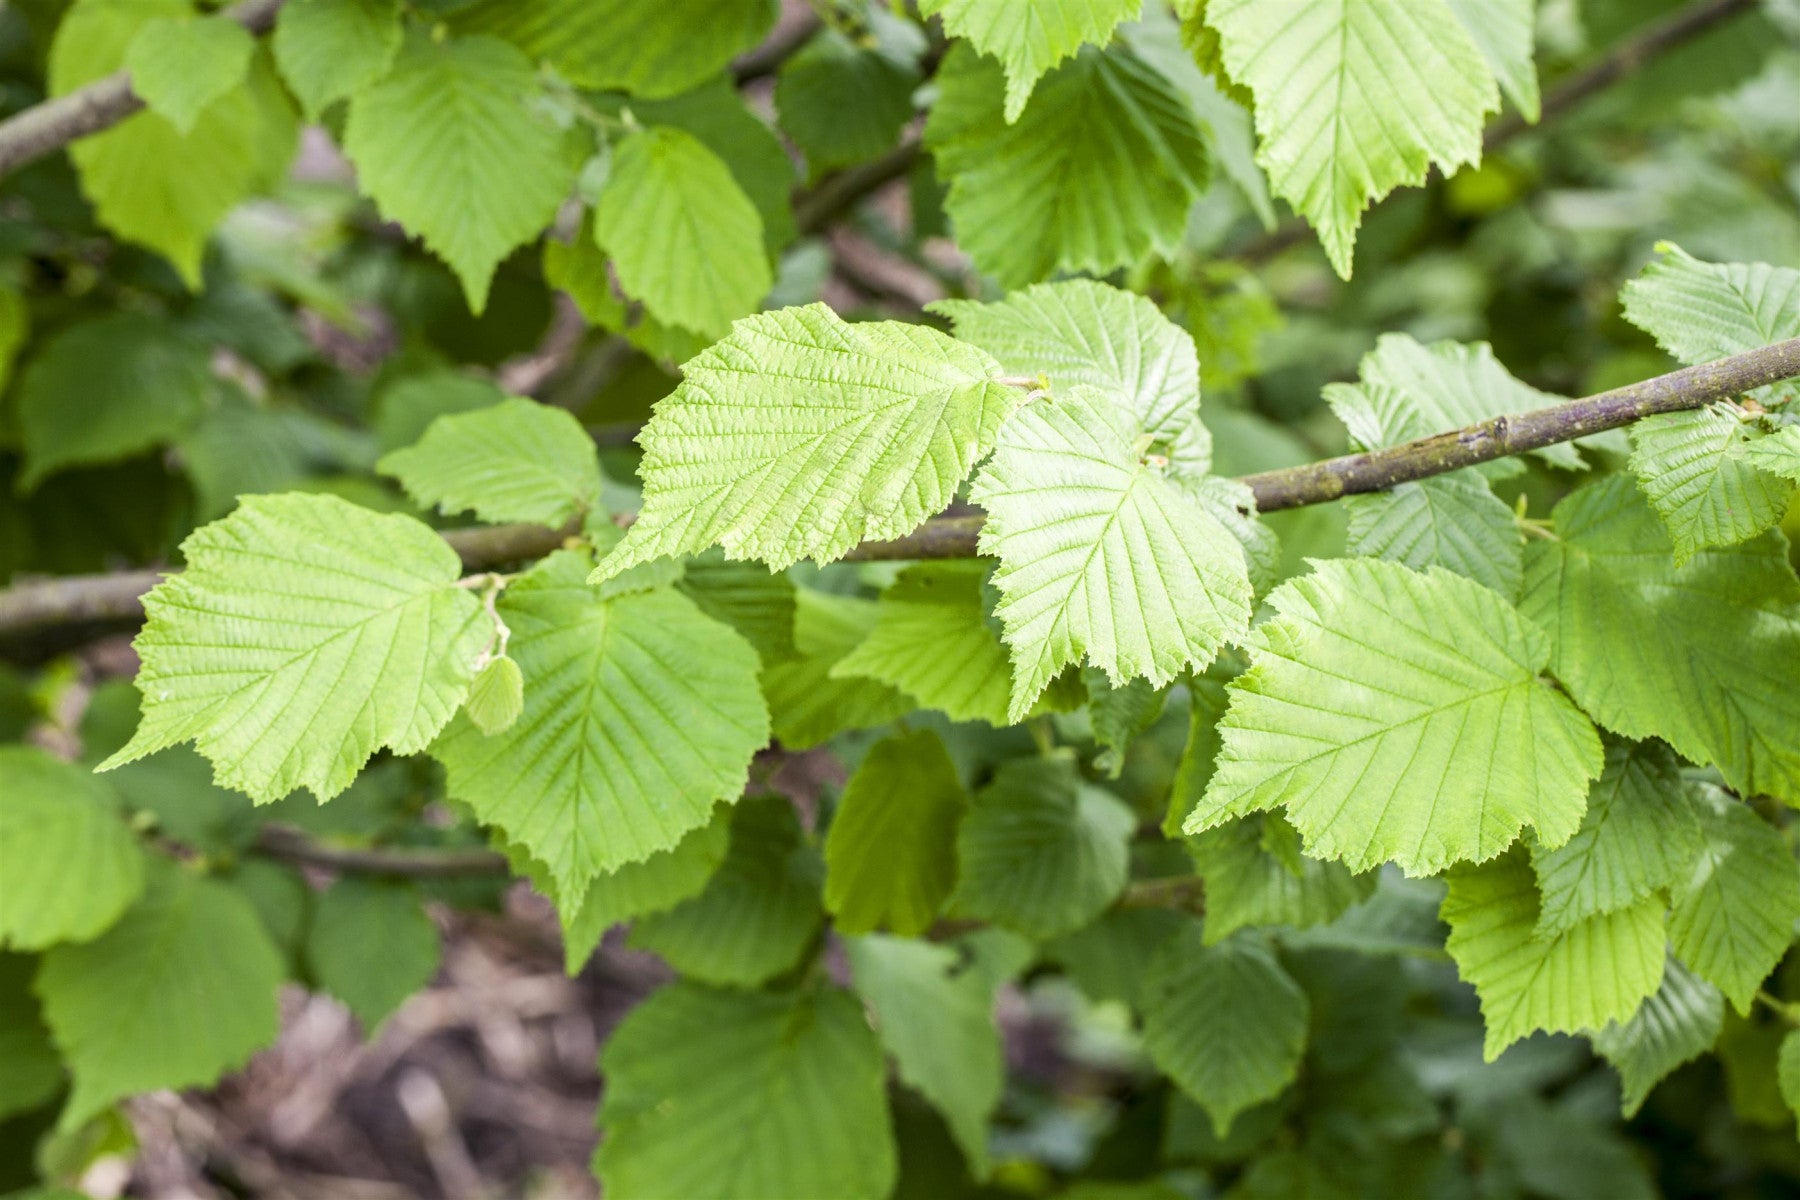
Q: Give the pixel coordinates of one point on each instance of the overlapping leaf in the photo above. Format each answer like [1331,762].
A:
[1676,1025]
[1452,521]
[516,461]
[1256,875]
[890,859]
[843,103]
[371,944]
[70,864]
[1700,311]
[932,640]
[180,65]
[809,702]
[638,889]
[329,49]
[1030,39]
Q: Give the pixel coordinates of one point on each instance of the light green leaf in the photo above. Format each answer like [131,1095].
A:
[747,597]
[1695,470]
[70,864]
[1041,852]
[330,49]
[809,702]
[1695,655]
[1639,837]
[179,65]
[1030,39]
[108,388]
[371,944]
[1778,454]
[617,755]
[638,889]
[1732,917]
[890,858]
[1676,1025]
[1225,1022]
[801,436]
[1079,331]
[404,411]
[1355,98]
[718,1093]
[496,696]
[1700,311]
[843,103]
[450,145]
[516,461]
[180,991]
[1452,521]
[1503,30]
[932,640]
[1103,558]
[682,234]
[934,1013]
[1597,971]
[650,48]
[31,1072]
[305,635]
[1249,885]
[758,913]
[1400,715]
[1100,168]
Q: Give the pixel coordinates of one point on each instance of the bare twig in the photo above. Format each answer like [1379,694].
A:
[290,845]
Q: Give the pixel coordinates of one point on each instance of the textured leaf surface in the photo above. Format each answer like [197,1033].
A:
[1226,1022]
[180,991]
[70,864]
[1041,852]
[745,596]
[371,944]
[618,754]
[932,640]
[1595,972]
[1030,39]
[329,49]
[1355,98]
[1778,454]
[1697,473]
[801,436]
[1400,715]
[1700,311]
[450,145]
[496,696]
[305,635]
[842,103]
[1452,521]
[637,889]
[1255,875]
[717,1093]
[1732,918]
[1102,558]
[180,65]
[1503,30]
[682,234]
[1676,1025]
[516,461]
[1100,167]
[890,859]
[1693,654]
[808,702]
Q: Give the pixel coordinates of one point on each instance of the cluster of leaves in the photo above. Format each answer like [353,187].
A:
[1525,775]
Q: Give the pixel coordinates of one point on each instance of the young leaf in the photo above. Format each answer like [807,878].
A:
[640,714]
[496,696]
[1100,168]
[1225,1022]
[70,864]
[330,49]
[801,436]
[809,701]
[371,944]
[683,236]
[305,635]
[1452,521]
[842,103]
[1102,558]
[714,1092]
[516,461]
[450,145]
[639,889]
[1355,98]
[1700,311]
[890,859]
[1596,971]
[179,65]
[1778,454]
[180,991]
[1400,715]
[1676,1025]
[1249,885]
[932,640]
[1030,39]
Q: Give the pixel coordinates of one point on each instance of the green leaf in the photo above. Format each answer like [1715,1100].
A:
[809,702]
[1694,469]
[1030,39]
[179,65]
[1119,716]
[1503,31]
[1110,958]
[1079,331]
[406,410]
[1452,521]
[1041,852]
[758,913]
[371,944]
[801,436]
[1596,971]
[450,145]
[1639,836]
[1700,311]
[1355,98]
[305,635]
[1778,454]
[931,639]
[1100,168]
[330,49]
[759,605]
[638,889]
[682,234]
[1225,1022]
[1400,715]
[842,103]
[1676,1025]
[650,48]
[70,864]
[890,858]
[1787,1070]
[722,1093]
[1103,558]
[1249,884]
[1691,654]
[496,696]
[31,1072]
[515,461]
[1732,917]
[180,991]
[619,753]
[106,389]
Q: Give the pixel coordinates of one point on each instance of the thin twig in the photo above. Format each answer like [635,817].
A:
[290,845]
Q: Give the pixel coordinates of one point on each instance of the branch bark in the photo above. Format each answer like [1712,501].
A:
[290,845]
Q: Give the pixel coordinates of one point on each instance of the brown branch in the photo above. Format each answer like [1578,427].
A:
[837,194]
[54,123]
[290,845]
[781,45]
